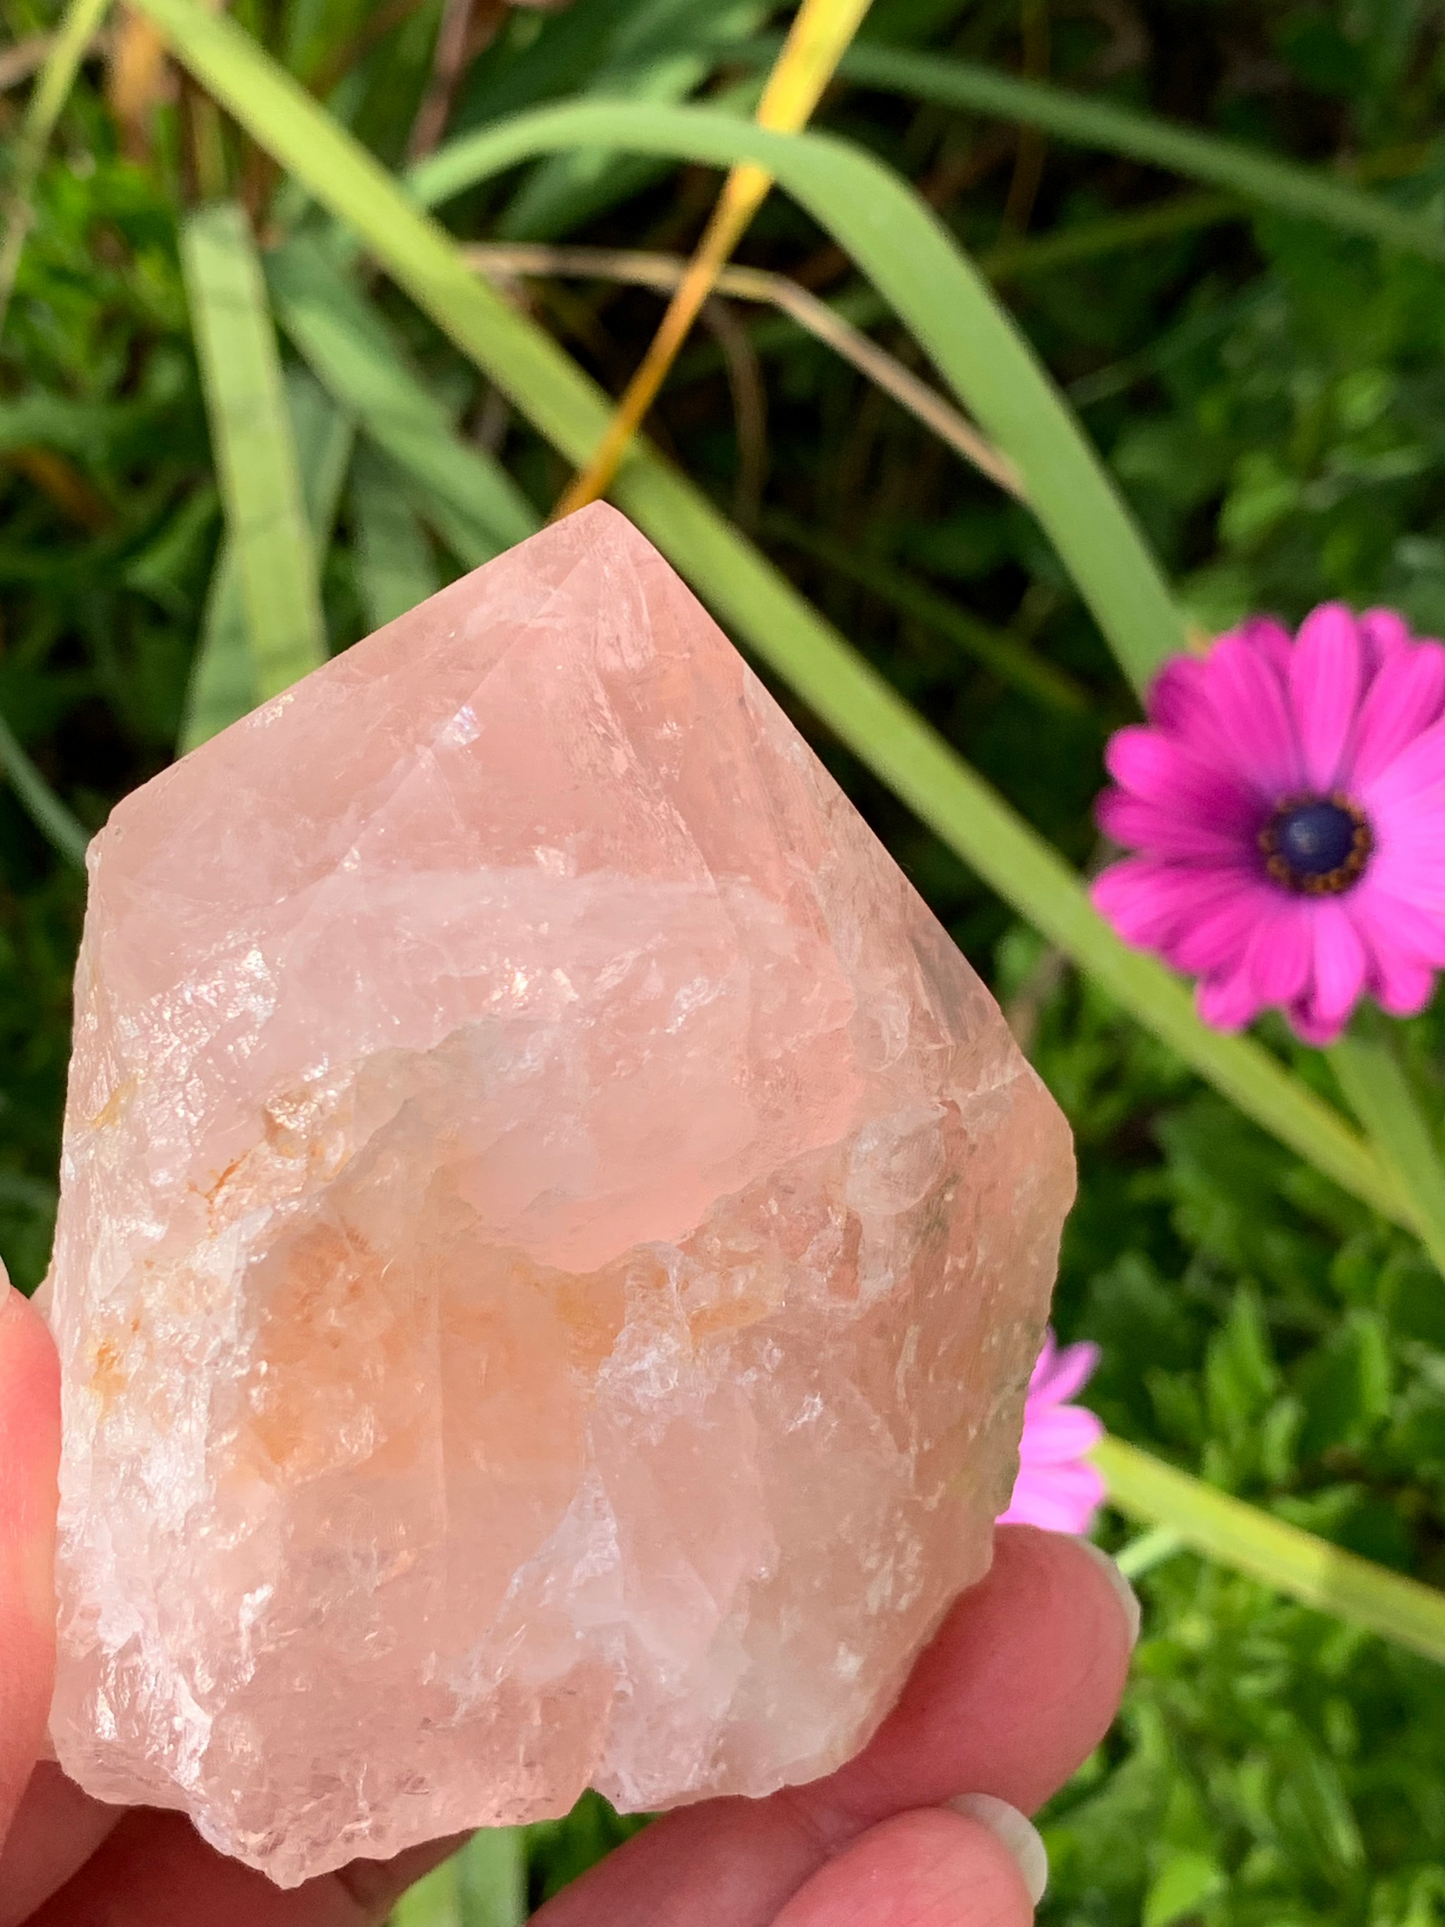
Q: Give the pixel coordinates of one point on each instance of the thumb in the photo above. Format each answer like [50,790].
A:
[29,1455]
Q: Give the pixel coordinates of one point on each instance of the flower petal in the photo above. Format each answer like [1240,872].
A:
[1281,949]
[1270,639]
[1324,684]
[1409,776]
[1061,1371]
[1147,901]
[1061,1433]
[1341,966]
[1219,940]
[1397,924]
[1178,703]
[1060,1499]
[1308,1025]
[1400,985]
[1382,633]
[1228,1002]
[1249,701]
[1405,698]
[1138,825]
[1149,765]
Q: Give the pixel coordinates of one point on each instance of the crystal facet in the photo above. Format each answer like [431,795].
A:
[552,1244]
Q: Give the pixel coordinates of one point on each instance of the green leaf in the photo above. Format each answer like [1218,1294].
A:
[1374,1081]
[484,1885]
[763,608]
[224,684]
[493,1869]
[395,568]
[1258,177]
[255,453]
[900,244]
[1181,1886]
[352,351]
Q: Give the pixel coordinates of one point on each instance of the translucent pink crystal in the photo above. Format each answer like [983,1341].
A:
[552,1247]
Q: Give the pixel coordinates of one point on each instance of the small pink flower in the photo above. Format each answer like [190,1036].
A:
[1287,801]
[1057,1488]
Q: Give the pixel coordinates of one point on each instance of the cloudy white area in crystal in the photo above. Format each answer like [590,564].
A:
[552,1246]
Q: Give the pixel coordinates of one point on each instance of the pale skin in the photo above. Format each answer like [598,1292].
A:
[1017,1688]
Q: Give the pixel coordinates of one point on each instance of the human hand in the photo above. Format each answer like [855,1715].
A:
[1017,1688]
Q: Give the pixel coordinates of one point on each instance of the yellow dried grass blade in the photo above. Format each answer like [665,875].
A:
[821,33]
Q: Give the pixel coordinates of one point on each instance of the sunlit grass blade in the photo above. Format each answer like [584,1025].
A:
[51,91]
[223,685]
[254,449]
[483,1885]
[493,1868]
[1367,1063]
[1260,178]
[55,822]
[350,349]
[1293,1562]
[749,594]
[807,61]
[395,568]
[898,242]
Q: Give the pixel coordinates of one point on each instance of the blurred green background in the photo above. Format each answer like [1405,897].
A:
[1271,398]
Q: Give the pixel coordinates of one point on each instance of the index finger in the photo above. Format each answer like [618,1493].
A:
[29,1457]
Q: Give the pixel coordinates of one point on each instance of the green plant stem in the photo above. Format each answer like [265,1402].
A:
[1293,1562]
[50,816]
[1149,1550]
[1367,1064]
[57,77]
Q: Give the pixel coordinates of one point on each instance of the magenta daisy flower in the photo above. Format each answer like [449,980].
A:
[1287,803]
[1057,1488]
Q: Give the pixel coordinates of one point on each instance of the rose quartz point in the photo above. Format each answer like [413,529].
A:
[552,1245]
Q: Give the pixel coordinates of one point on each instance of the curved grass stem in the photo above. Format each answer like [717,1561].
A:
[1252,1541]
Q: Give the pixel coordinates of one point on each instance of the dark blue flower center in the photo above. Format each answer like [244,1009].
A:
[1317,844]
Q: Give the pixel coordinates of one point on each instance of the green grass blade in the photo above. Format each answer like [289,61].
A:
[65,832]
[254,449]
[351,350]
[750,595]
[493,1868]
[1367,1063]
[50,93]
[395,568]
[223,681]
[899,243]
[1293,1562]
[1260,178]
[484,1885]
[1010,660]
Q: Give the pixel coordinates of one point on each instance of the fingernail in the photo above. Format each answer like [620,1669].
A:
[1014,1831]
[1123,1591]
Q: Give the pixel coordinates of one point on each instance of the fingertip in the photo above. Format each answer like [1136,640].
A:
[29,1454]
[928,1868]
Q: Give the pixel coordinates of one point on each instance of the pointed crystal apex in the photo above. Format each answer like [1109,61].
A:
[552,1245]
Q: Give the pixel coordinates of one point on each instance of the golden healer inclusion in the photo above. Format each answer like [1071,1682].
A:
[552,1243]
